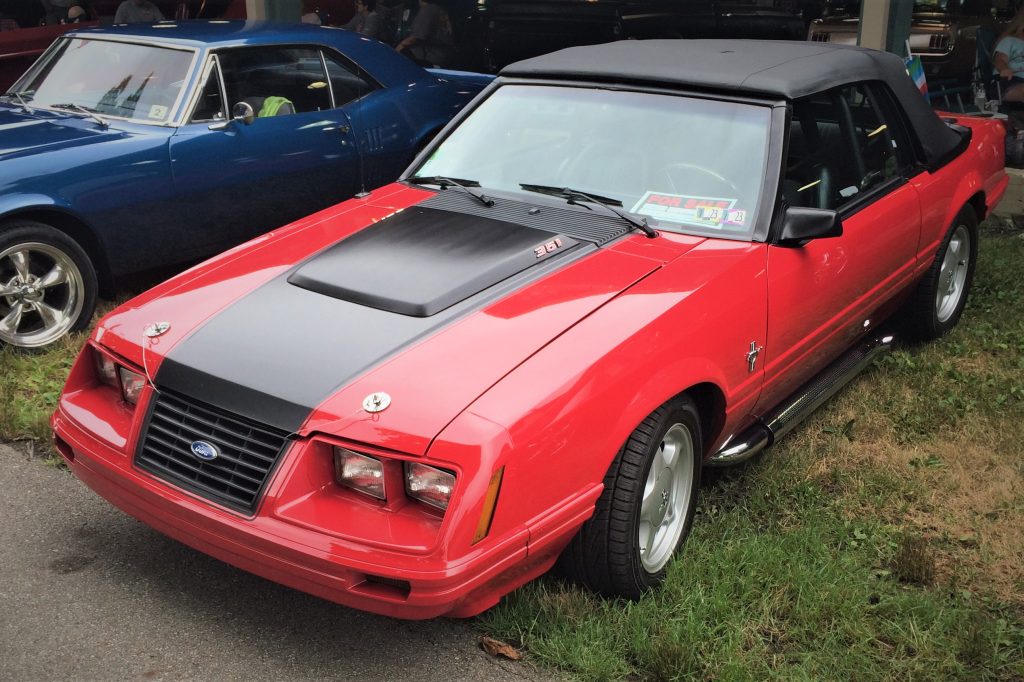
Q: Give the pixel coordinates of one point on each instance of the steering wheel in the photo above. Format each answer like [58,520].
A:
[688,168]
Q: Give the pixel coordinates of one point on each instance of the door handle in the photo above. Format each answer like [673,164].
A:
[344,129]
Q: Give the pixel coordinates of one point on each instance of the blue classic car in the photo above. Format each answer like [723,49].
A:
[132,147]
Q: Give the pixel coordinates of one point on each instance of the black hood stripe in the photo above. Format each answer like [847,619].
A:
[281,350]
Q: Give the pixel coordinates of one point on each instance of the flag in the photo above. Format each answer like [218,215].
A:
[915,69]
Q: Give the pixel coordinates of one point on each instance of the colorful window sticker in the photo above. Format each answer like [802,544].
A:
[708,212]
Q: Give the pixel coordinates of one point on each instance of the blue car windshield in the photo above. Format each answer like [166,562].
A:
[124,80]
[685,164]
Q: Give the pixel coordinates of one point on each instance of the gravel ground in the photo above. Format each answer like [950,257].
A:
[88,593]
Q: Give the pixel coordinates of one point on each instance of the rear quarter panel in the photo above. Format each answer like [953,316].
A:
[977,173]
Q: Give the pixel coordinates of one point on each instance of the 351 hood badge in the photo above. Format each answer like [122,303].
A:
[376,402]
[547,247]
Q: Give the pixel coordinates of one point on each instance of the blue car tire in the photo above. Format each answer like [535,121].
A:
[47,284]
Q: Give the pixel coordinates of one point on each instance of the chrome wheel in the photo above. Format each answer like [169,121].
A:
[666,498]
[41,294]
[953,274]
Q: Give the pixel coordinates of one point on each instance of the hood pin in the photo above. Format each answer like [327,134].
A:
[151,331]
[376,402]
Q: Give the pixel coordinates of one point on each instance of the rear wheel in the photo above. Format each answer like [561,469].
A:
[936,306]
[646,509]
[47,285]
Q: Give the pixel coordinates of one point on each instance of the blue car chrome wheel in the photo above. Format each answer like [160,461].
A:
[47,287]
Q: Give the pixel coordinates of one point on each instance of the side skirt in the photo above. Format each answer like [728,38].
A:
[788,414]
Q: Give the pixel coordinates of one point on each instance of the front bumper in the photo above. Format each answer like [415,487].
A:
[368,578]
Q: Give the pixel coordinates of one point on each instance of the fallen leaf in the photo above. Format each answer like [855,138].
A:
[497,648]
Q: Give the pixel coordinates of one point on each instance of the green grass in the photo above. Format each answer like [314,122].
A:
[29,386]
[30,383]
[881,540]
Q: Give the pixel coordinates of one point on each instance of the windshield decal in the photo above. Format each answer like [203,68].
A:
[707,212]
[158,111]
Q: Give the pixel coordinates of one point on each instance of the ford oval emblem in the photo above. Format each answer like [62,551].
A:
[204,451]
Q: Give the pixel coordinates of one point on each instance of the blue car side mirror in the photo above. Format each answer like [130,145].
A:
[242,111]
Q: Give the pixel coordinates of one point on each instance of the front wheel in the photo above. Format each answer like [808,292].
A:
[646,509]
[47,285]
[936,306]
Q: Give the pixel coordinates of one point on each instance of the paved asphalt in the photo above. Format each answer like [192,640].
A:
[88,593]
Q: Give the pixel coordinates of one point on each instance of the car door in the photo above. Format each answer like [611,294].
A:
[384,120]
[843,154]
[296,156]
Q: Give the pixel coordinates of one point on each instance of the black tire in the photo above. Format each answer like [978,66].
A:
[606,554]
[37,312]
[927,315]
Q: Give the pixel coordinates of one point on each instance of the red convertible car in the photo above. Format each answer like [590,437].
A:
[618,265]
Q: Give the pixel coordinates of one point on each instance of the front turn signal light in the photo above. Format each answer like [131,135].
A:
[483,526]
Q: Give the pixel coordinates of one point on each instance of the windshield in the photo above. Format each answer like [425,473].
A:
[684,164]
[109,78]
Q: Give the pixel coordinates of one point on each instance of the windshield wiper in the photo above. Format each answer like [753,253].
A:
[82,110]
[20,96]
[445,182]
[574,194]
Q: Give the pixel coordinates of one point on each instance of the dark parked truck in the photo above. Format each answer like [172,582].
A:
[509,30]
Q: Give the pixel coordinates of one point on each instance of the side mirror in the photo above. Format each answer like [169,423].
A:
[801,224]
[242,111]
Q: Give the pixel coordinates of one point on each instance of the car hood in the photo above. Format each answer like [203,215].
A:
[22,133]
[379,295]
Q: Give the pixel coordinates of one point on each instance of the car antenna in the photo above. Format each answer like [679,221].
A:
[358,109]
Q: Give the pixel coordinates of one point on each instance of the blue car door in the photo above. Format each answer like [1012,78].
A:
[387,122]
[296,155]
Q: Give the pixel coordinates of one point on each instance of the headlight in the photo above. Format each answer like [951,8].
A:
[429,485]
[106,369]
[126,381]
[132,384]
[359,472]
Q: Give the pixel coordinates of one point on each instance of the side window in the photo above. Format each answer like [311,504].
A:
[873,138]
[210,106]
[346,81]
[840,147]
[275,81]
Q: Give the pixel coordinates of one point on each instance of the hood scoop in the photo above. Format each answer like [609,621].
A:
[421,260]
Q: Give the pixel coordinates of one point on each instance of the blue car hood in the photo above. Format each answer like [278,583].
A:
[44,131]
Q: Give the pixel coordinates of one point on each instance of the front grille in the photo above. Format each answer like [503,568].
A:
[248,451]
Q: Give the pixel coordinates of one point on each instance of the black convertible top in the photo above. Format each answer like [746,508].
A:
[774,68]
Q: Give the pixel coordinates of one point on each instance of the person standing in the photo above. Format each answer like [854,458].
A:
[366,20]
[1008,59]
[310,14]
[430,38]
[137,11]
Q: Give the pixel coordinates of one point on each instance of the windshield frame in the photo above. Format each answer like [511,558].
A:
[187,87]
[767,202]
